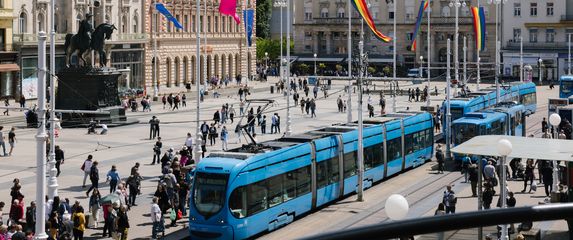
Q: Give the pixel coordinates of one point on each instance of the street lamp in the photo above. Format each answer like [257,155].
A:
[421,62]
[457,4]
[266,61]
[555,120]
[540,72]
[497,46]
[315,64]
[447,129]
[504,148]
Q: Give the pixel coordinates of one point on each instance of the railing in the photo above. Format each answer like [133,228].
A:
[537,45]
[129,37]
[335,21]
[24,38]
[448,20]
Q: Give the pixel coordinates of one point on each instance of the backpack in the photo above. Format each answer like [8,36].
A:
[76,221]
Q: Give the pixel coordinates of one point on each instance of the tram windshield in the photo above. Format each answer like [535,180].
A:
[464,132]
[566,87]
[209,193]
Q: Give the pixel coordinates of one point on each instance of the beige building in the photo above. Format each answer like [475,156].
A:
[322,26]
[8,57]
[225,54]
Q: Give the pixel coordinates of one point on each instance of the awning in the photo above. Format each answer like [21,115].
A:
[9,67]
[311,59]
[535,148]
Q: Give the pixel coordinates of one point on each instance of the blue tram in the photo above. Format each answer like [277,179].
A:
[507,118]
[524,93]
[259,187]
[565,86]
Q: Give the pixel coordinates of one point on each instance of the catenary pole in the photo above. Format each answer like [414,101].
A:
[53,180]
[349,100]
[198,150]
[41,141]
[429,10]
[360,150]
[288,126]
[448,113]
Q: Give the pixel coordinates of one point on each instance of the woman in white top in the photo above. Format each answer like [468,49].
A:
[86,167]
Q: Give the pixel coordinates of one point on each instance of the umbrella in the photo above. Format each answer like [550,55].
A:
[109,199]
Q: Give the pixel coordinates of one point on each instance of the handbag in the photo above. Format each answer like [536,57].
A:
[172,215]
[179,215]
[83,166]
[534,186]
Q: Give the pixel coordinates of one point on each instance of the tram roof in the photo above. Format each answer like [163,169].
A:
[535,148]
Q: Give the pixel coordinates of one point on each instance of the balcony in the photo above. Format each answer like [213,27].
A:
[448,20]
[514,45]
[32,39]
[334,21]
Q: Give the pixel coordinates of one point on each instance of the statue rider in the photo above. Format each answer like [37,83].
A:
[86,27]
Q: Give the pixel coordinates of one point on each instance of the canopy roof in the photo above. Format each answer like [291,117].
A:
[535,148]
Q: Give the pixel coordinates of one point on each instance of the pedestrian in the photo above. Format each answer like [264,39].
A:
[302,103]
[544,125]
[312,109]
[95,207]
[2,144]
[11,140]
[86,167]
[489,173]
[232,113]
[22,101]
[184,100]
[440,159]
[6,104]
[153,130]
[109,220]
[242,108]
[213,134]
[264,125]
[157,150]
[528,175]
[466,161]
[307,105]
[113,178]
[437,122]
[204,131]
[217,117]
[315,91]
[156,218]
[439,212]
[548,177]
[488,194]
[30,217]
[134,184]
[170,100]
[473,177]
[449,200]
[79,220]
[382,104]
[59,158]
[224,138]
[164,101]
[203,149]
[122,223]
[176,101]
[16,214]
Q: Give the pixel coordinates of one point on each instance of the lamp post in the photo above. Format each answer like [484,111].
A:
[555,120]
[429,10]
[465,81]
[497,47]
[421,62]
[349,50]
[288,126]
[315,64]
[448,113]
[478,72]
[569,54]
[520,59]
[504,148]
[266,61]
[41,140]
[53,180]
[540,61]
[198,150]
[457,4]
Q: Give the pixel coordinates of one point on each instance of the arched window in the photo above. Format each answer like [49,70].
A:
[107,19]
[324,13]
[56,22]
[340,13]
[223,24]
[124,26]
[135,25]
[168,68]
[22,23]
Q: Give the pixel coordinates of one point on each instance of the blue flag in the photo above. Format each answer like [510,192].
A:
[248,19]
[161,9]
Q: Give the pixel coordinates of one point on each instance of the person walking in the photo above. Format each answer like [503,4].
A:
[2,143]
[547,170]
[312,108]
[156,218]
[439,212]
[184,100]
[79,220]
[11,140]
[153,127]
[157,151]
[450,200]
[528,175]
[264,125]
[95,206]
[113,178]
[440,159]
[94,177]
[473,177]
[122,223]
[134,184]
[274,120]
[224,138]
[544,125]
[86,167]
[232,113]
[59,158]
[213,134]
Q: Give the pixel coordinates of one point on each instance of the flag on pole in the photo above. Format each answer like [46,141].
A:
[248,19]
[479,27]
[229,7]
[361,7]
[423,5]
[161,9]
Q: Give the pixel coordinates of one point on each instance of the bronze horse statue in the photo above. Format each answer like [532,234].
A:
[81,42]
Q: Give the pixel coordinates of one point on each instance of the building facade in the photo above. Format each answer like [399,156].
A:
[544,27]
[321,27]
[170,53]
[126,48]
[8,68]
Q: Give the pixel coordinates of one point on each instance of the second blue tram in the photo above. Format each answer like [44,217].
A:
[256,188]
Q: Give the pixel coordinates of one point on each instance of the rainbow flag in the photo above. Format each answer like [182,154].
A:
[361,7]
[479,27]
[423,5]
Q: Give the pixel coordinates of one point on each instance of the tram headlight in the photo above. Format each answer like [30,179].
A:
[193,219]
[222,221]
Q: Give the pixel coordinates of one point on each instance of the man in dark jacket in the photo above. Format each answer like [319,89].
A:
[94,177]
[59,158]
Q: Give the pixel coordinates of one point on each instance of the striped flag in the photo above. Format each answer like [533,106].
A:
[423,5]
[479,27]
[361,7]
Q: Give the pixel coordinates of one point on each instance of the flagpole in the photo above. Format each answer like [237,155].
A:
[429,59]
[288,126]
[198,150]
[349,101]
[205,43]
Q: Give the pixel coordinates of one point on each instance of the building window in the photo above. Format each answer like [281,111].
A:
[324,13]
[517,9]
[201,23]
[185,23]
[208,23]
[41,21]
[533,9]
[124,26]
[307,35]
[465,11]
[549,9]
[307,47]
[340,13]
[533,35]
[223,23]
[22,22]
[216,24]
[550,35]
[409,36]
[516,34]
[390,15]
[307,13]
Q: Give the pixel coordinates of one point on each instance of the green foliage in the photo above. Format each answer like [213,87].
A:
[371,70]
[387,70]
[273,47]
[338,67]
[321,66]
[263,25]
[303,67]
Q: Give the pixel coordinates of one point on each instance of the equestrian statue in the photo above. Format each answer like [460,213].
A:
[88,39]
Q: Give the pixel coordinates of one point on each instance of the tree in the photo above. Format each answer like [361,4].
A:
[273,47]
[264,10]
[371,70]
[303,67]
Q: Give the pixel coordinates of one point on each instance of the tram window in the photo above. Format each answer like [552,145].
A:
[289,183]
[368,157]
[321,174]
[303,181]
[408,144]
[349,164]
[333,170]
[275,185]
[237,203]
[394,149]
[495,128]
[419,139]
[256,197]
[378,159]
[429,137]
[530,98]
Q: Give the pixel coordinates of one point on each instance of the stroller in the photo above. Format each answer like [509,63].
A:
[518,168]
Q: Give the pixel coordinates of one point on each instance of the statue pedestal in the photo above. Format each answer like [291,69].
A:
[89,89]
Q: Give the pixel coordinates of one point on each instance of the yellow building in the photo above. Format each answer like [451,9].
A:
[8,68]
